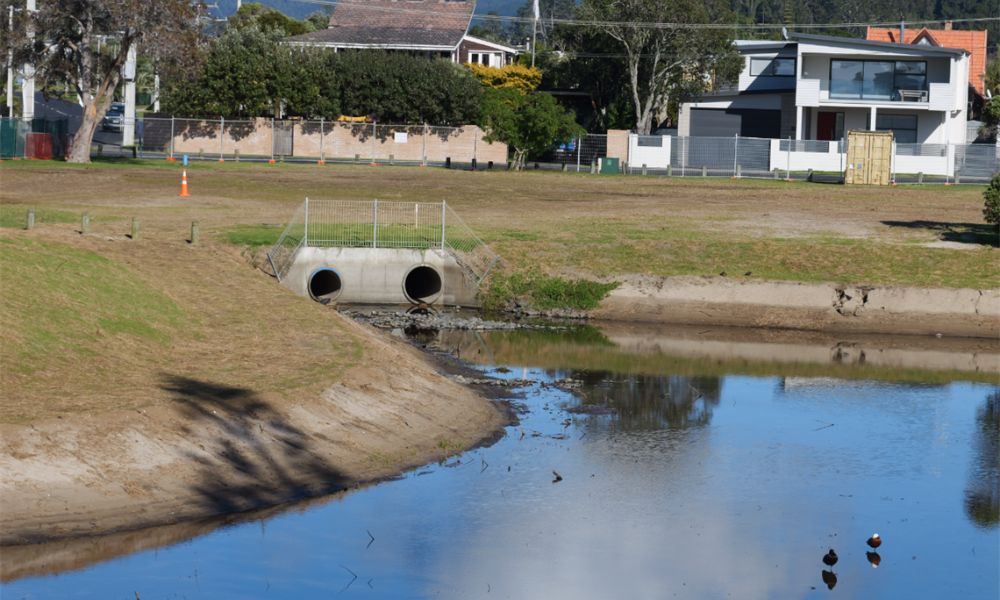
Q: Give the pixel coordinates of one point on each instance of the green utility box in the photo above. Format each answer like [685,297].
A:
[609,166]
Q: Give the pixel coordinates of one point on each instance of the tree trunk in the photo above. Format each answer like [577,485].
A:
[80,152]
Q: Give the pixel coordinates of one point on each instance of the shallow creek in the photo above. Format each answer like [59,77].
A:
[647,463]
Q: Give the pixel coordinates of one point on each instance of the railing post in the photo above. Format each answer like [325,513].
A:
[788,160]
[305,226]
[322,134]
[375,224]
[579,149]
[444,208]
[272,139]
[222,139]
[736,154]
[171,136]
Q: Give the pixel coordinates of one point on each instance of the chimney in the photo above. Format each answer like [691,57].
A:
[947,25]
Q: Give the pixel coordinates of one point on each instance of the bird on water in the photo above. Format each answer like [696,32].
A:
[874,541]
[830,558]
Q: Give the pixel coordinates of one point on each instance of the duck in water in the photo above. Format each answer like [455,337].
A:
[874,541]
[830,558]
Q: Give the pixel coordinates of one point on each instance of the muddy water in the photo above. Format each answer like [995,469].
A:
[692,465]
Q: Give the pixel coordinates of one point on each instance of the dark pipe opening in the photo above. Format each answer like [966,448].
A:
[325,285]
[422,285]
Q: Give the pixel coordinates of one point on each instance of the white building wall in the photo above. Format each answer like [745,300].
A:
[654,157]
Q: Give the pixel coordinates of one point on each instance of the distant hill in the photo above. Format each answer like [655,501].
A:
[292,8]
[301,10]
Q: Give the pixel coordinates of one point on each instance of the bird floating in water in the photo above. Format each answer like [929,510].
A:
[874,559]
[830,579]
[830,558]
[874,541]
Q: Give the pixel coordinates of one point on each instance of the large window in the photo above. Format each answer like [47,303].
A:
[903,127]
[772,67]
[876,79]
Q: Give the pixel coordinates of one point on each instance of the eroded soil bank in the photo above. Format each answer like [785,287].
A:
[814,307]
[220,450]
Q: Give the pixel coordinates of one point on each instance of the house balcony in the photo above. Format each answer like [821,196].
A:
[816,93]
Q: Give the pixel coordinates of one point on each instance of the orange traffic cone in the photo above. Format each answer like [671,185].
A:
[184,184]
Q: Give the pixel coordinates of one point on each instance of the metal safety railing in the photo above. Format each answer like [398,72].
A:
[381,224]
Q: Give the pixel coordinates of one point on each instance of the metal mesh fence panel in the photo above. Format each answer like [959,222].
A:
[282,254]
[382,224]
[937,150]
[12,136]
[470,251]
[818,146]
[734,156]
[977,161]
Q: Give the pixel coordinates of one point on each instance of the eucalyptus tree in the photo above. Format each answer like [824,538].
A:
[667,52]
[67,47]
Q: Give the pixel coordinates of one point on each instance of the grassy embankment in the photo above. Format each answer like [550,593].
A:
[556,231]
[94,324]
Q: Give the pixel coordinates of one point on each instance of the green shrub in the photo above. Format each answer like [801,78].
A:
[991,202]
[543,292]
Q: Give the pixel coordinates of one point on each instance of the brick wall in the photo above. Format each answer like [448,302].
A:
[337,141]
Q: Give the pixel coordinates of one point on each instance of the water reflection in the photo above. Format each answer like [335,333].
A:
[651,402]
[982,495]
[678,478]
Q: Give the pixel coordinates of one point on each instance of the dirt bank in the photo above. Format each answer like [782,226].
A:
[816,307]
[218,449]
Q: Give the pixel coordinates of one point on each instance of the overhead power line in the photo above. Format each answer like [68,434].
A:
[645,25]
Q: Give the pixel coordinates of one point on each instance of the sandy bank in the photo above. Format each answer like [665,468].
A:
[815,307]
[217,450]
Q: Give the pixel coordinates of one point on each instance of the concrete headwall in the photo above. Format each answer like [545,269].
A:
[311,139]
[378,275]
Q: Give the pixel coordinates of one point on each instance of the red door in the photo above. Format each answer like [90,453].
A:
[826,126]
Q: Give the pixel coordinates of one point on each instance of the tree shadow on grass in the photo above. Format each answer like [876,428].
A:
[965,233]
[253,457]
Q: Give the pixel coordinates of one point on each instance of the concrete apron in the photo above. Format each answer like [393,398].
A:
[381,276]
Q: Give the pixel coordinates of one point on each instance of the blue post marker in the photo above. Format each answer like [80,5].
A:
[185,160]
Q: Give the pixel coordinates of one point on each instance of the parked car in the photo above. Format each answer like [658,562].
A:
[114,119]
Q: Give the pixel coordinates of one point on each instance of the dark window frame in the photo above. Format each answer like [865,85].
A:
[895,75]
[770,68]
[894,129]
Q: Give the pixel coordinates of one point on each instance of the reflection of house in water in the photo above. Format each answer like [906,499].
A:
[649,402]
[982,495]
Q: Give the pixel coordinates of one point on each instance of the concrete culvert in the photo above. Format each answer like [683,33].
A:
[422,285]
[324,285]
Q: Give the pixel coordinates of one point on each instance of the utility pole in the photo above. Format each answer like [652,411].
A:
[128,74]
[10,63]
[534,31]
[28,85]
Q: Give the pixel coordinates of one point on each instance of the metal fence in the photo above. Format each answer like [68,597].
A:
[323,141]
[381,224]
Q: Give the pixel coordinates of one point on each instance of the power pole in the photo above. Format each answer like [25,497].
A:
[128,74]
[28,85]
[534,31]
[10,63]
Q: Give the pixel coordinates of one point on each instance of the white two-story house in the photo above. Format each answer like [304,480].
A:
[814,87]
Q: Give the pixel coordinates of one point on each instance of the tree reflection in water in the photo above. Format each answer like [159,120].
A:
[651,402]
[982,495]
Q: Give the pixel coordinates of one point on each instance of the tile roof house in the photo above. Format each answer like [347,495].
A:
[973,42]
[436,28]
